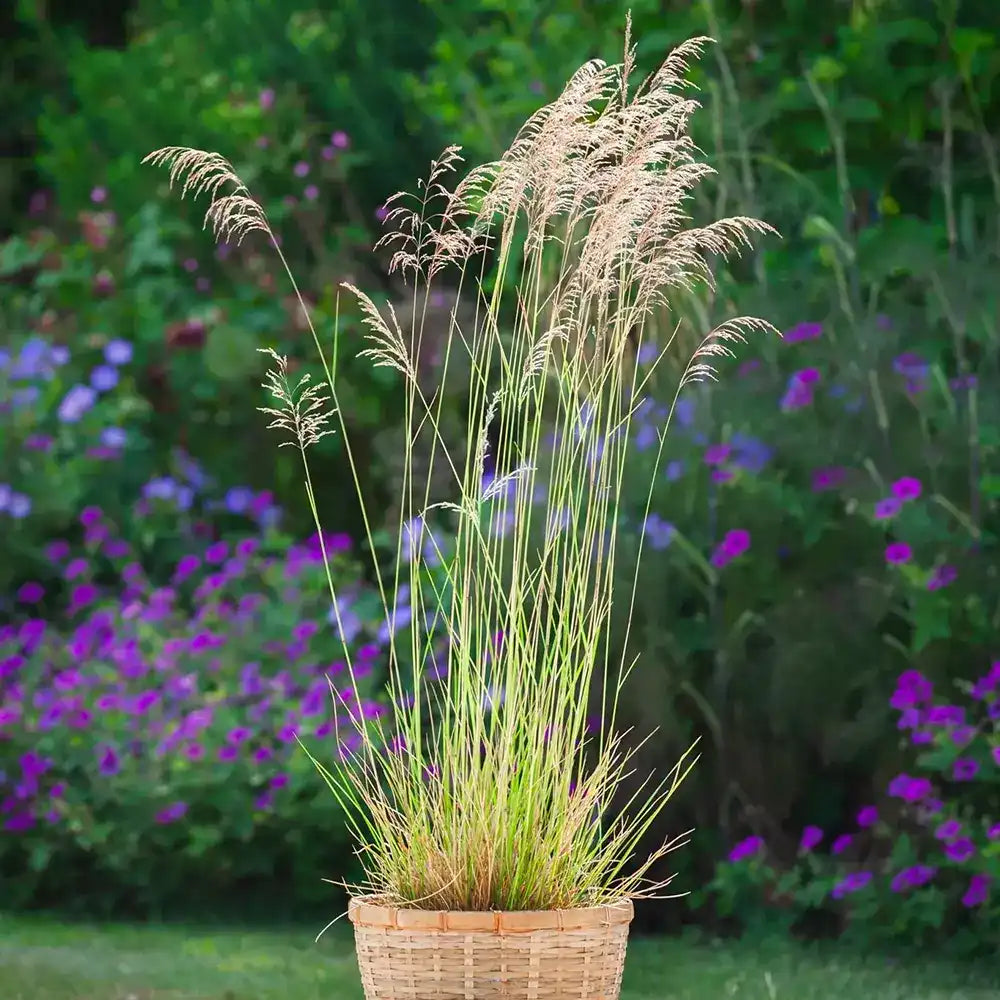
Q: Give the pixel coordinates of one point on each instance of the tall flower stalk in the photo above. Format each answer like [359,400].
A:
[493,791]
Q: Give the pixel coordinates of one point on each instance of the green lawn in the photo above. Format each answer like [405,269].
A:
[41,959]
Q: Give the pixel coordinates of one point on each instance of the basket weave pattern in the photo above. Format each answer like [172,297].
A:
[449,955]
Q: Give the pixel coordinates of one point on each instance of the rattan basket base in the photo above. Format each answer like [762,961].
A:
[447,955]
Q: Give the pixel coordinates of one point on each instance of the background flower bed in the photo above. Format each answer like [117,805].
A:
[826,525]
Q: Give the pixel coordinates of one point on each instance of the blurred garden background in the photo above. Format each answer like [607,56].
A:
[821,605]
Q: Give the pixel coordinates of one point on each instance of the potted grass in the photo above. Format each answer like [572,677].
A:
[493,867]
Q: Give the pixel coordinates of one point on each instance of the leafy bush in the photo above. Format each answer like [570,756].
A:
[147,733]
[919,869]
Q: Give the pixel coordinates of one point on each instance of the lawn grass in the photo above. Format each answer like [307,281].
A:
[44,959]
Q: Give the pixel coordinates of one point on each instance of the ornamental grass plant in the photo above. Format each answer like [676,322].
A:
[489,787]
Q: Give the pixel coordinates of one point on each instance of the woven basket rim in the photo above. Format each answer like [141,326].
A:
[374,912]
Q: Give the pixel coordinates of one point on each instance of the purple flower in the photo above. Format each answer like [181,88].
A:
[659,532]
[910,364]
[301,169]
[735,543]
[963,735]
[996,755]
[194,751]
[33,765]
[104,378]
[216,553]
[76,403]
[746,849]
[964,769]
[340,140]
[854,882]
[19,823]
[977,892]
[909,789]
[994,832]
[57,551]
[108,763]
[960,850]
[803,331]
[118,352]
[912,878]
[83,595]
[807,376]
[889,507]
[797,395]
[897,553]
[828,478]
[948,830]
[31,592]
[144,702]
[279,780]
[946,715]
[942,576]
[186,565]
[811,836]
[172,813]
[228,753]
[716,454]
[238,735]
[868,816]
[841,844]
[906,488]
[266,99]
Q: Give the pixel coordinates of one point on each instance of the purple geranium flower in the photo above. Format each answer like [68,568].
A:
[108,763]
[746,849]
[841,844]
[803,331]
[172,813]
[960,850]
[76,403]
[716,454]
[854,882]
[868,816]
[964,769]
[828,478]
[887,508]
[942,576]
[31,592]
[948,830]
[735,543]
[907,488]
[897,553]
[912,878]
[909,789]
[811,836]
[977,892]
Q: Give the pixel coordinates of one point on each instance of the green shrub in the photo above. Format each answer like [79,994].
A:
[148,732]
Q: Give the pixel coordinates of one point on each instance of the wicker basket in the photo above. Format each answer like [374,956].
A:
[408,954]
